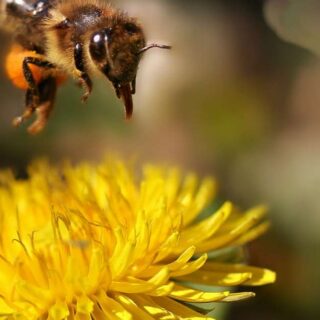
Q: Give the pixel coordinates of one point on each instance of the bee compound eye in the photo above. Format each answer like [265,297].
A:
[97,47]
[108,34]
[97,38]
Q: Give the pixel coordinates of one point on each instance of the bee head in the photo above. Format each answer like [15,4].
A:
[116,51]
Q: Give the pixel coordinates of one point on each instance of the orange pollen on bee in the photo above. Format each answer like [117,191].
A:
[14,68]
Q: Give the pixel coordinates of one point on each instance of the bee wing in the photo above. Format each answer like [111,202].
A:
[16,12]
[11,12]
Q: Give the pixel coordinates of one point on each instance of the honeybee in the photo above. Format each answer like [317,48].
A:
[54,39]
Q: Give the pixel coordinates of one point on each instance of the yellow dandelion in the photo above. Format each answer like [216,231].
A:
[98,242]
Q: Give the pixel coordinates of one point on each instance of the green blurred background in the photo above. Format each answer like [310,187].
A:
[230,100]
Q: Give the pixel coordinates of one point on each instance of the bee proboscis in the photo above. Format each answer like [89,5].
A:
[54,39]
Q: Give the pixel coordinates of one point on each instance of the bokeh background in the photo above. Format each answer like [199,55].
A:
[231,100]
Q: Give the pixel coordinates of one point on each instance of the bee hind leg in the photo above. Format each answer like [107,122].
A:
[29,109]
[33,97]
[32,85]
[47,91]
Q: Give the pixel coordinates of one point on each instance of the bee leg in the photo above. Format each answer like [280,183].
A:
[133,86]
[86,84]
[29,76]
[47,92]
[32,93]
[29,109]
[84,78]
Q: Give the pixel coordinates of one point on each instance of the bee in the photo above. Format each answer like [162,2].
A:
[54,39]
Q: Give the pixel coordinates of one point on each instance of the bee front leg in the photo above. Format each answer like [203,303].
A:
[86,83]
[84,78]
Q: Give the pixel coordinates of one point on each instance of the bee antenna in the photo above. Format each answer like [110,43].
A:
[154,45]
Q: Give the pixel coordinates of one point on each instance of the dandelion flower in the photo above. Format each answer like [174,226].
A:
[98,242]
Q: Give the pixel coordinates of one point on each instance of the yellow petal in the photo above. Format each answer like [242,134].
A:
[191,295]
[178,309]
[187,192]
[202,199]
[172,185]
[238,296]
[167,247]
[7,275]
[217,278]
[37,296]
[160,278]
[183,259]
[59,311]
[98,268]
[131,286]
[120,261]
[82,316]
[5,309]
[259,276]
[132,307]
[112,308]
[157,311]
[228,237]
[85,305]
[173,266]
[190,267]
[162,290]
[253,234]
[204,229]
